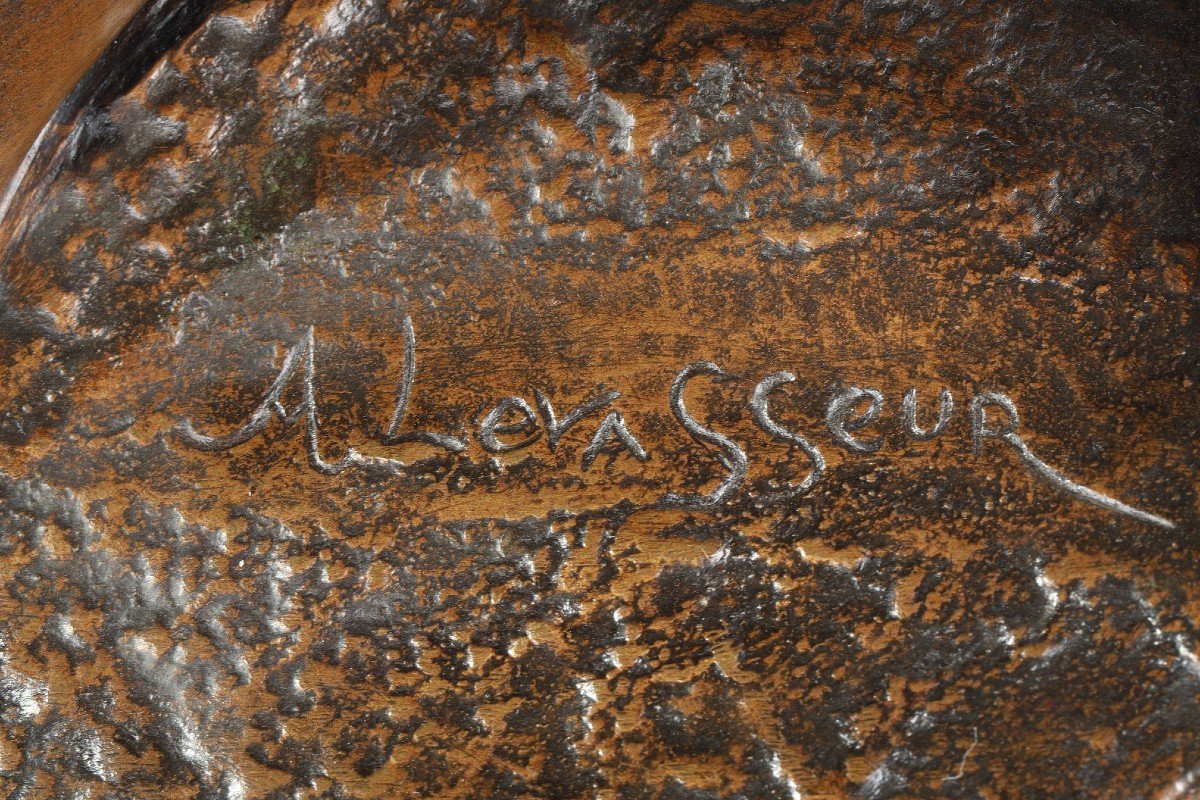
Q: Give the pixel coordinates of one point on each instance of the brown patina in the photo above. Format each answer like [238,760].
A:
[293,500]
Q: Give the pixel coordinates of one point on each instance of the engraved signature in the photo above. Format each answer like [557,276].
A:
[513,424]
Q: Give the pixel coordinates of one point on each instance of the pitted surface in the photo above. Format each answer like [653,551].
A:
[306,202]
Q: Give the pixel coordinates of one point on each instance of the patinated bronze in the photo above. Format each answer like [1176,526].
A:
[645,401]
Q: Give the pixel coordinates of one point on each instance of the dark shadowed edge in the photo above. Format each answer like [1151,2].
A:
[154,29]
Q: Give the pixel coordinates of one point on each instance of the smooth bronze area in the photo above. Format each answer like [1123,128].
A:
[640,401]
[47,47]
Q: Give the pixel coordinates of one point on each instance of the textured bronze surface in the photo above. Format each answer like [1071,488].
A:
[47,47]
[293,500]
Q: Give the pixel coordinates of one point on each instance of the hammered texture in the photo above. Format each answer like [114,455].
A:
[567,198]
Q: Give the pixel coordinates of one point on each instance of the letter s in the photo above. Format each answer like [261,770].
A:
[731,456]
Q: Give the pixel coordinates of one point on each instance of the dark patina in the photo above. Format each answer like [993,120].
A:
[509,400]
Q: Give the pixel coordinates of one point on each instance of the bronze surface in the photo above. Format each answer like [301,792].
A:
[240,289]
[47,46]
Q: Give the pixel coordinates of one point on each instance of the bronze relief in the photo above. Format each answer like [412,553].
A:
[604,399]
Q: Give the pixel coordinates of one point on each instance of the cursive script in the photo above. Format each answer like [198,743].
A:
[513,424]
